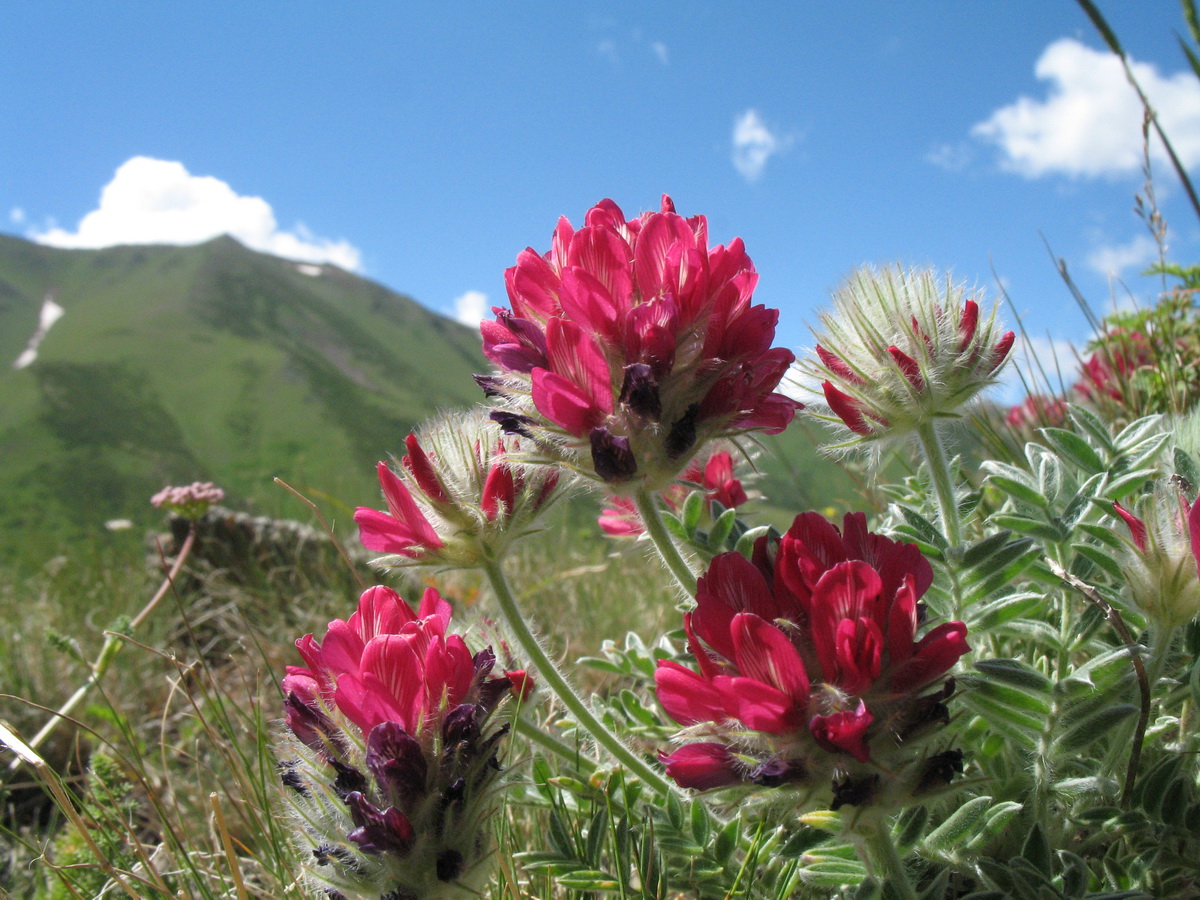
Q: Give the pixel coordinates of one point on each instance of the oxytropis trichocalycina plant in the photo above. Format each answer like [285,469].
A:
[985,690]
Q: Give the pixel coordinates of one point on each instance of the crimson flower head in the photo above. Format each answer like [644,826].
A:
[810,668]
[902,349]
[392,758]
[713,475]
[632,343]
[460,490]
[1162,566]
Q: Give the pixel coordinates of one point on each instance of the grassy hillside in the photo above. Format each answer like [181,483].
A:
[207,362]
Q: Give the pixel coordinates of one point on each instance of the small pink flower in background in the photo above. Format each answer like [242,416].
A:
[902,349]
[190,501]
[461,486]
[632,343]
[1162,567]
[714,475]
[1035,411]
[809,662]
[1106,373]
[395,753]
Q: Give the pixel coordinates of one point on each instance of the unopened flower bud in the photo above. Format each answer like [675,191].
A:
[902,349]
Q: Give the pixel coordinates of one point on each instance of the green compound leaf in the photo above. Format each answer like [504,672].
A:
[1074,449]
[1014,673]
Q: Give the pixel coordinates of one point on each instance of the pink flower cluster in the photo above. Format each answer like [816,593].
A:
[1035,411]
[189,500]
[395,711]
[1107,371]
[808,658]
[475,491]
[632,342]
[714,476]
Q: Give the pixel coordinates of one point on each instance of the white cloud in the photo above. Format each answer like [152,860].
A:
[16,215]
[753,144]
[1113,259]
[1090,122]
[660,50]
[154,201]
[470,308]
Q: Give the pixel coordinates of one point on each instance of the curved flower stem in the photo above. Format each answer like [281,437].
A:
[112,643]
[647,507]
[943,483]
[561,749]
[561,687]
[878,850]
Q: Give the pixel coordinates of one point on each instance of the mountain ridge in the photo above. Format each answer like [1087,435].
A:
[211,362]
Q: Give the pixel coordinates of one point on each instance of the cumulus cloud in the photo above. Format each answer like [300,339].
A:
[154,201]
[470,308]
[1090,121]
[1114,259]
[753,144]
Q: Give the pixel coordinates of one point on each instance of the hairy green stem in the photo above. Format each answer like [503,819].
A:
[647,507]
[943,482]
[562,688]
[878,851]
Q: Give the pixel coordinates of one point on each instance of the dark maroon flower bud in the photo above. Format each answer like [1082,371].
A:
[378,831]
[611,456]
[512,423]
[396,760]
[940,770]
[682,436]
[640,392]
[850,791]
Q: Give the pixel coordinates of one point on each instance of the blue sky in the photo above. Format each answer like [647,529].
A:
[425,145]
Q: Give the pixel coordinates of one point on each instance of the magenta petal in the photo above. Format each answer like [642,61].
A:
[1193,524]
[967,324]
[564,403]
[383,534]
[1137,528]
[766,654]
[845,731]
[758,706]
[846,408]
[688,697]
[702,767]
[934,656]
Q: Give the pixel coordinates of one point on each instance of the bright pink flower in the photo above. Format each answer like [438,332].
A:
[813,644]
[390,715]
[637,342]
[460,488]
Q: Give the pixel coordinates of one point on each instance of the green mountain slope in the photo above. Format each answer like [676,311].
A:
[208,362]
